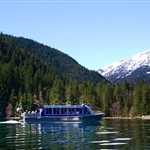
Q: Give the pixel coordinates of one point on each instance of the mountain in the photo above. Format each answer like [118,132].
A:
[133,70]
[32,74]
[66,65]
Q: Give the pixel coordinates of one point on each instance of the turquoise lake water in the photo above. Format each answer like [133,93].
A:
[108,135]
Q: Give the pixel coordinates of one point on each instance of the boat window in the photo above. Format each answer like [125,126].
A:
[86,111]
[48,111]
[63,110]
[55,111]
[71,111]
[90,110]
[78,110]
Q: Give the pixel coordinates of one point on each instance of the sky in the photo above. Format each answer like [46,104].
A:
[94,33]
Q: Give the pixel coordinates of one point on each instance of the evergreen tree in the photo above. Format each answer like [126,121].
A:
[57,93]
[145,109]
[106,99]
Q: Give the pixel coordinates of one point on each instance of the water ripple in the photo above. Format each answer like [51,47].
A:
[112,135]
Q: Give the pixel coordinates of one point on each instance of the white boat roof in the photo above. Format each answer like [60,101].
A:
[66,106]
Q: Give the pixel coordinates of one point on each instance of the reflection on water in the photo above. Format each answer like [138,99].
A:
[63,135]
[110,134]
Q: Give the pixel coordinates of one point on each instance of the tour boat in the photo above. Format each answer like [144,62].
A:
[62,113]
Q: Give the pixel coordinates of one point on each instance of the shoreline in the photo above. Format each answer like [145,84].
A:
[137,117]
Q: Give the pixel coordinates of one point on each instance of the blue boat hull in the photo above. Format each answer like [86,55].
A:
[80,118]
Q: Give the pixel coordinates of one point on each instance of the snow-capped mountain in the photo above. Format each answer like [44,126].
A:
[132,70]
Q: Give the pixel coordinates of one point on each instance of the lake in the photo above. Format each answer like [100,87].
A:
[115,134]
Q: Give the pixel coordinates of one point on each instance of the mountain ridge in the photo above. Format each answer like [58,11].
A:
[125,69]
[64,63]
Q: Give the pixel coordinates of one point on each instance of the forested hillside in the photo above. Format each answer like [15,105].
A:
[65,64]
[31,82]
[22,75]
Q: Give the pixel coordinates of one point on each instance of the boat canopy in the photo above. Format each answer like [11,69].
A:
[66,106]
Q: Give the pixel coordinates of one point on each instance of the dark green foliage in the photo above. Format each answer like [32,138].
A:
[23,72]
[32,81]
[66,65]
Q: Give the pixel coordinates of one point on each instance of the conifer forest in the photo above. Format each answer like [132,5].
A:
[33,75]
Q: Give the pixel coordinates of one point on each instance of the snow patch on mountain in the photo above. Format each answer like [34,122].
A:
[123,68]
[109,67]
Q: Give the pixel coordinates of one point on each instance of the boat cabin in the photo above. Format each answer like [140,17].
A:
[66,110]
